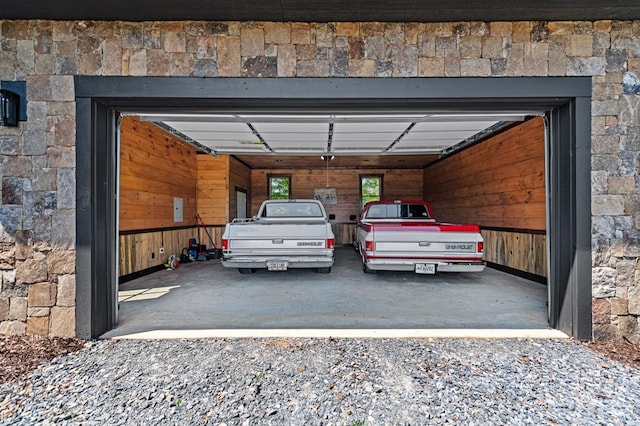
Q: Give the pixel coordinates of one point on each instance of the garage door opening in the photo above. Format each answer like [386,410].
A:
[391,96]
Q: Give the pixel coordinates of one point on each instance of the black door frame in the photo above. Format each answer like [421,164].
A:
[566,100]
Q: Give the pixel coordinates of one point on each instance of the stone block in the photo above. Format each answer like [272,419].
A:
[536,59]
[260,66]
[63,322]
[4,308]
[375,48]
[205,68]
[607,205]
[66,295]
[339,59]
[158,63]
[412,29]
[383,69]
[286,60]
[470,47]
[629,328]
[619,306]
[62,88]
[61,156]
[515,60]
[347,29]
[7,257]
[300,33]
[38,326]
[13,328]
[180,64]
[313,68]
[634,299]
[13,190]
[579,45]
[356,48]
[42,295]
[229,56]
[11,222]
[63,229]
[24,244]
[34,142]
[39,88]
[492,47]
[361,68]
[431,67]
[32,270]
[601,311]
[616,60]
[9,145]
[405,61]
[18,309]
[521,32]
[175,42]
[622,185]
[578,66]
[604,282]
[111,56]
[452,64]
[475,67]
[557,63]
[137,65]
[372,28]
[252,42]
[324,35]
[38,311]
[602,26]
[277,32]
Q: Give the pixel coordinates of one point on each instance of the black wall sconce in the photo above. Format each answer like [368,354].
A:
[9,108]
[13,102]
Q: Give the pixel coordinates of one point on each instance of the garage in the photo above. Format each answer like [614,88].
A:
[555,234]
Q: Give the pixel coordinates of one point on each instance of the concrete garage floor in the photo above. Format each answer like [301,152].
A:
[203,299]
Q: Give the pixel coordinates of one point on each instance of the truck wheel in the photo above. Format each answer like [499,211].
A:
[324,270]
[246,270]
[366,269]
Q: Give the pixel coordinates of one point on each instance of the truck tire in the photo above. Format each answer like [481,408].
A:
[366,269]
[324,270]
[246,270]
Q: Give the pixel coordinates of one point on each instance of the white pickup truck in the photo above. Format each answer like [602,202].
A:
[285,234]
[403,235]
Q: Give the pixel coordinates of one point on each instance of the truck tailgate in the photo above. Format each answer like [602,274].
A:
[275,236]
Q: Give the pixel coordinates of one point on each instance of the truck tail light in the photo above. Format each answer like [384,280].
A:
[369,246]
[225,244]
[480,247]
[331,243]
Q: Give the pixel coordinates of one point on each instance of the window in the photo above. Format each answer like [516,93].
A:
[370,188]
[279,187]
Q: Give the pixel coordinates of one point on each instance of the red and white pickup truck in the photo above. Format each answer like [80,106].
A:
[403,235]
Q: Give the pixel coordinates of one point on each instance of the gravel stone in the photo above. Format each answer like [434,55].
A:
[326,381]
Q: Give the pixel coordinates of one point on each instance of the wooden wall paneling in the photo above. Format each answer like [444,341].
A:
[498,182]
[406,183]
[155,167]
[344,233]
[213,189]
[518,250]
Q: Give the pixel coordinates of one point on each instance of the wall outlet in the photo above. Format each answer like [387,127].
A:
[161,250]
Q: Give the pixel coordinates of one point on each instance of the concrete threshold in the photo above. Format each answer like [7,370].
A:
[349,333]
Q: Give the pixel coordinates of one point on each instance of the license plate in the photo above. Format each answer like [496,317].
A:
[425,268]
[277,265]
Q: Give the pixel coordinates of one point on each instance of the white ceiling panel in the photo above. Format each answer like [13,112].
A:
[365,134]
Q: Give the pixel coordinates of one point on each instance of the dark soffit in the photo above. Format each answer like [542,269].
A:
[322,10]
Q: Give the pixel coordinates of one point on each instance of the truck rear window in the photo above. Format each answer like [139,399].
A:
[292,210]
[397,211]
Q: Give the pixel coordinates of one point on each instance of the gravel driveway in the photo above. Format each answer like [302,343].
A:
[326,381]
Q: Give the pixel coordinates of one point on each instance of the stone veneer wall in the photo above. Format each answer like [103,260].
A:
[37,214]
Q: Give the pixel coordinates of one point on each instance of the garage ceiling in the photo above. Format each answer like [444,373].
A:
[322,10]
[343,140]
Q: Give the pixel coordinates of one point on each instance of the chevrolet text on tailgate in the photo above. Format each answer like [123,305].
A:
[285,234]
[403,235]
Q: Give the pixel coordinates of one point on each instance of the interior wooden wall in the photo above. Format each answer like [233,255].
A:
[155,167]
[405,183]
[498,183]
[213,189]
[239,177]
